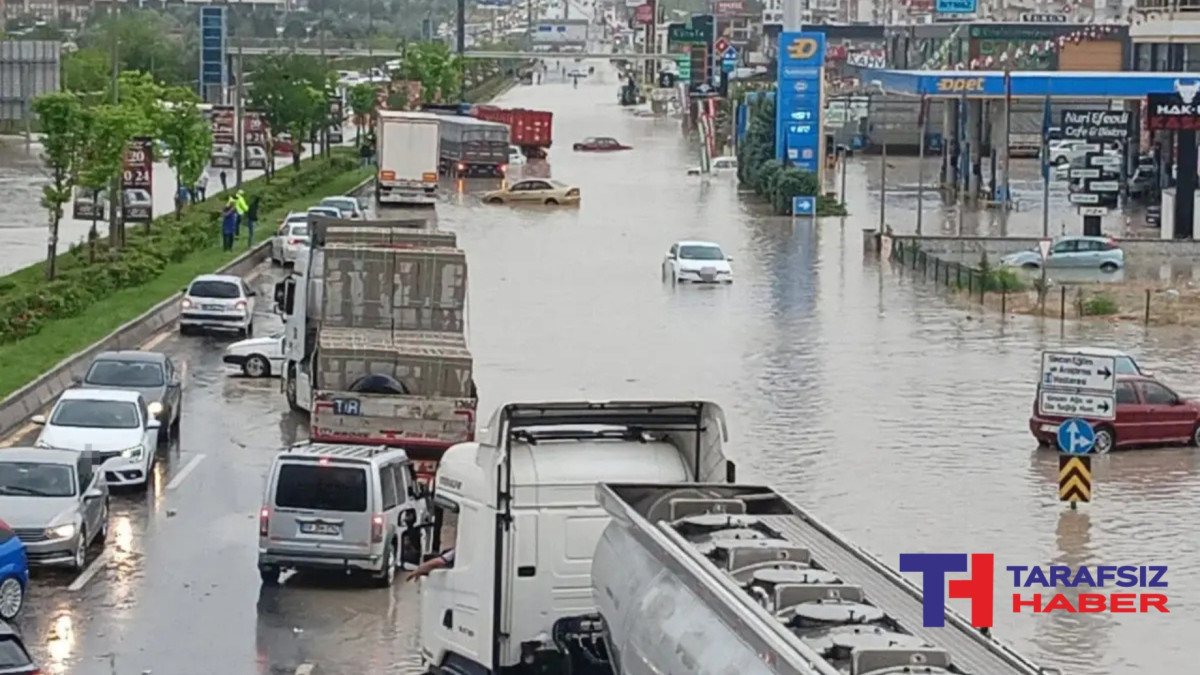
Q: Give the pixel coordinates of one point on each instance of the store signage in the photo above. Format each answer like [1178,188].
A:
[1096,125]
[956,6]
[798,111]
[960,84]
[1179,111]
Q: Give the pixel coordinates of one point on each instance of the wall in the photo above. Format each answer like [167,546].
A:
[28,69]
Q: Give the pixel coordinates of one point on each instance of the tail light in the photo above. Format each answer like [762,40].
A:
[293,242]
[377,528]
[573,192]
[503,168]
[240,304]
[1111,244]
[186,304]
[462,167]
[264,521]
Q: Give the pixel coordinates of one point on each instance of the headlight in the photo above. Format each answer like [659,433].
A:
[61,532]
[154,408]
[133,453]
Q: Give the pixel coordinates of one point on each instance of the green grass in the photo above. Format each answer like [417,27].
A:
[23,361]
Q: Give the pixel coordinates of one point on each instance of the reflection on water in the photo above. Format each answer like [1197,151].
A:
[60,645]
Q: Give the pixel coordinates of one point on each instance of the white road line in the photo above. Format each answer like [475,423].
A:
[16,435]
[90,571]
[305,669]
[156,340]
[183,473]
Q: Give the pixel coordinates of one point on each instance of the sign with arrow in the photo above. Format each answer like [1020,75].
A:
[1079,372]
[1076,437]
[1066,404]
[1074,479]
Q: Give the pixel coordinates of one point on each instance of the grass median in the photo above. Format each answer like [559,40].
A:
[23,360]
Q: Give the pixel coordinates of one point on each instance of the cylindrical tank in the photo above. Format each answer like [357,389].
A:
[654,623]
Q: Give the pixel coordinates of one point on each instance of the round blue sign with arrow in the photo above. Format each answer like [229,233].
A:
[1076,437]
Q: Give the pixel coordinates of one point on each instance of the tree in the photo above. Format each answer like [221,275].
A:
[86,70]
[363,99]
[111,129]
[187,135]
[293,91]
[433,65]
[144,97]
[64,134]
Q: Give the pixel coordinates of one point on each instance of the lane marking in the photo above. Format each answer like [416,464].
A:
[16,435]
[156,340]
[183,473]
[90,571]
[305,669]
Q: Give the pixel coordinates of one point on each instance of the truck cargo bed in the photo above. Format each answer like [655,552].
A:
[381,287]
[426,364]
[792,588]
[408,232]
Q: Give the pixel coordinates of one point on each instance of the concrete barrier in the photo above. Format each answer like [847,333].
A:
[34,397]
[968,250]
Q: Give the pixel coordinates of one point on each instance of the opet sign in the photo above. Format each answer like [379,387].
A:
[960,85]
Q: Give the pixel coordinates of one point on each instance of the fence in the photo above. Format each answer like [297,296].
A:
[978,283]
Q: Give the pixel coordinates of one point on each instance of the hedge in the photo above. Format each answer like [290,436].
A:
[43,322]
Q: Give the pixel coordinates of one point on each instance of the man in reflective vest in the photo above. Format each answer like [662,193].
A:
[238,202]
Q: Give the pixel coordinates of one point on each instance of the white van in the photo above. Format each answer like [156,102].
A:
[342,507]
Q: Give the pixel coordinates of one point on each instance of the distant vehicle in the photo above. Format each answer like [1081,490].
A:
[324,211]
[697,262]
[1102,253]
[14,576]
[408,149]
[577,72]
[1148,413]
[599,144]
[534,191]
[349,207]
[283,145]
[219,302]
[56,502]
[152,374]
[1065,150]
[719,165]
[290,238]
[515,158]
[257,357]
[114,424]
[14,657]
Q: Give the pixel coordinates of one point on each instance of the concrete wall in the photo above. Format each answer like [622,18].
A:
[28,69]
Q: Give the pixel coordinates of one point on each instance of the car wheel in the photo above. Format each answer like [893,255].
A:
[387,574]
[12,598]
[184,329]
[1030,266]
[1108,267]
[269,575]
[257,366]
[551,202]
[577,147]
[1196,435]
[1106,440]
[495,200]
[79,559]
[103,534]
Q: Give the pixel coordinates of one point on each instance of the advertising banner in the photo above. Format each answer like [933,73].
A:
[89,205]
[223,137]
[337,117]
[644,14]
[1178,111]
[256,139]
[137,182]
[956,6]
[728,7]
[1096,125]
[799,106]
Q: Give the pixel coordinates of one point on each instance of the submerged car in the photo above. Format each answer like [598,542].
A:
[697,262]
[14,575]
[599,144]
[154,375]
[257,357]
[534,191]
[1103,253]
[719,166]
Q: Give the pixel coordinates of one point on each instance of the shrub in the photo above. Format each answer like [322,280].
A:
[27,302]
[1098,305]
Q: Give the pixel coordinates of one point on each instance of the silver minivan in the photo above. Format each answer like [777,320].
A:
[355,508]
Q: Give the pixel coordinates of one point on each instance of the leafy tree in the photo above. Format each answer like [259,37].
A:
[362,102]
[138,92]
[187,135]
[111,129]
[64,135]
[86,70]
[439,71]
[149,41]
[293,93]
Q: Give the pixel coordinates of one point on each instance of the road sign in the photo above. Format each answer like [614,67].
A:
[1083,198]
[721,45]
[1068,404]
[1044,248]
[730,53]
[1079,372]
[1076,437]
[804,206]
[729,65]
[1104,185]
[1074,479]
[1093,210]
[1108,161]
[1084,173]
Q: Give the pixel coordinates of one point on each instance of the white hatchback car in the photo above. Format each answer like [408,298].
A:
[701,262]
[291,237]
[347,206]
[257,357]
[720,166]
[219,302]
[113,424]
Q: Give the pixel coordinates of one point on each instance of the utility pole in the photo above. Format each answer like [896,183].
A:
[116,232]
[461,25]
[239,125]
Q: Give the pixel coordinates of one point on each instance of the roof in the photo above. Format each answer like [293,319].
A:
[218,277]
[689,242]
[43,455]
[408,115]
[1024,84]
[342,451]
[1095,351]
[131,355]
[126,395]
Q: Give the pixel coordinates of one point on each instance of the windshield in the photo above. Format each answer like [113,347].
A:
[95,414]
[700,253]
[321,488]
[299,230]
[340,204]
[137,374]
[1127,366]
[36,479]
[214,289]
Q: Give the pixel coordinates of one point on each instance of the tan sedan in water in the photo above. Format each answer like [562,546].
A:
[534,191]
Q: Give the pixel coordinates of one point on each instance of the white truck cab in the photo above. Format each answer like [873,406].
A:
[522,502]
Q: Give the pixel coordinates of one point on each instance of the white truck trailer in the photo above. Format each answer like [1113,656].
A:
[408,150]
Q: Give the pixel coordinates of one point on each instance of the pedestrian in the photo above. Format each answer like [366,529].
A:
[252,219]
[240,207]
[224,181]
[228,226]
[446,559]
[182,197]
[201,187]
[364,155]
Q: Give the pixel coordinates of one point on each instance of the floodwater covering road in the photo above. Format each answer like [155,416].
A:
[895,417]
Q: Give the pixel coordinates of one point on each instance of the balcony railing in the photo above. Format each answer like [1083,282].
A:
[1167,6]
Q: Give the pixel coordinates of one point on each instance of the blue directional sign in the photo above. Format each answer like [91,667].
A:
[804,206]
[956,6]
[213,47]
[799,106]
[1076,437]
[730,54]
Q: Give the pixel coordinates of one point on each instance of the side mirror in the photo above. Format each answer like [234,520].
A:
[251,294]
[183,290]
[94,493]
[153,424]
[38,419]
[728,258]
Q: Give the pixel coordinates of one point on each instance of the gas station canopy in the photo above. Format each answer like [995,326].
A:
[1025,84]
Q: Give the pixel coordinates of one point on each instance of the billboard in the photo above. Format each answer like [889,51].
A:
[566,32]
[213,47]
[337,117]
[798,109]
[28,69]
[137,181]
[256,140]
[223,130]
[89,204]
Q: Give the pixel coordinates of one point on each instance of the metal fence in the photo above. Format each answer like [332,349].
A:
[975,282]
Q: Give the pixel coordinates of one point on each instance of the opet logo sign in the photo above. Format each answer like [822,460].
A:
[802,48]
[960,85]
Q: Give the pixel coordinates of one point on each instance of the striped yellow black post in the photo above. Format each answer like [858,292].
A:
[1074,478]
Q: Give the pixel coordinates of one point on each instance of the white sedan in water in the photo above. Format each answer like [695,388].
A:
[699,262]
[257,357]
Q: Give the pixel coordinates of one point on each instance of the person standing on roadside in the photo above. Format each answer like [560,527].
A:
[228,226]
[241,207]
[252,219]
[201,187]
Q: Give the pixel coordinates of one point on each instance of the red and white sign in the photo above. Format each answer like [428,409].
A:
[720,45]
[730,7]
[644,14]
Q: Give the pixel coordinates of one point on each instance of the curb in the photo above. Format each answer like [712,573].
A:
[18,406]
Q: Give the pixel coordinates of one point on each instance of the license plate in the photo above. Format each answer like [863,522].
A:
[213,308]
[1049,427]
[320,528]
[347,406]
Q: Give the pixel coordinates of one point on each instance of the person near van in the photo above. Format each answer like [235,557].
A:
[228,226]
[445,559]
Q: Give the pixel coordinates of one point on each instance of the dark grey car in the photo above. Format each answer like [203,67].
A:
[14,657]
[152,374]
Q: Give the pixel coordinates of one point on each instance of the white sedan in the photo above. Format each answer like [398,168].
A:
[291,236]
[347,206]
[701,262]
[719,166]
[114,424]
[257,357]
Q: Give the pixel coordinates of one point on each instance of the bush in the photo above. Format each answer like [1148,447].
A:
[29,302]
[1098,305]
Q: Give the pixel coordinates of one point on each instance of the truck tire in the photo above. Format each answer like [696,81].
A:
[289,389]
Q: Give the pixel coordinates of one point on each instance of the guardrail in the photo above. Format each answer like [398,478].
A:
[34,397]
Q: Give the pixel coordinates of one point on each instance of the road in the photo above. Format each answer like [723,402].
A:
[859,391]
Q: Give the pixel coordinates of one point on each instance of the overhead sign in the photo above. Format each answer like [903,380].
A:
[213,29]
[1093,210]
[1064,404]
[1043,18]
[956,6]
[137,181]
[1178,111]
[1074,479]
[1075,437]
[798,112]
[1082,372]
[1096,125]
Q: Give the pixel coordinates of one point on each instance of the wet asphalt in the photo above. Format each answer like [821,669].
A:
[898,418]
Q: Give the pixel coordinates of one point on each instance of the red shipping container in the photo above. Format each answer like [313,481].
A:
[527,128]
